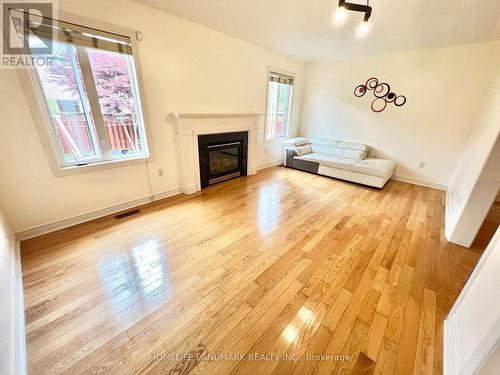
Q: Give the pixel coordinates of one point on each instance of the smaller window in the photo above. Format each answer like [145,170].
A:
[279,102]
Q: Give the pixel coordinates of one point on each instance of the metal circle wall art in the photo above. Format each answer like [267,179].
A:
[382,92]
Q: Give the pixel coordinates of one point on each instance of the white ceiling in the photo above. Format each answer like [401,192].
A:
[303,29]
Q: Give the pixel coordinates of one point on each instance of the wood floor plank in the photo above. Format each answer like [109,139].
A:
[407,346]
[386,358]
[311,357]
[299,346]
[374,337]
[337,310]
[386,300]
[364,365]
[424,361]
[353,348]
[395,323]
[369,307]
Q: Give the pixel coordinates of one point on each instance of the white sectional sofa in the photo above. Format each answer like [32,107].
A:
[333,158]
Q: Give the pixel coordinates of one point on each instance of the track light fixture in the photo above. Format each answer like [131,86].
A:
[366,9]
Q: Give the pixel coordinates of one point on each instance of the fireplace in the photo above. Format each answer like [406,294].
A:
[222,157]
[189,126]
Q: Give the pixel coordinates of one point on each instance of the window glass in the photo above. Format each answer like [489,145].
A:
[113,76]
[68,105]
[278,106]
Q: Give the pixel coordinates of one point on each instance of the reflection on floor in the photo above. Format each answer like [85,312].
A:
[309,273]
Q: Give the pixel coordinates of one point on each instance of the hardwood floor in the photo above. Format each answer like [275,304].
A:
[312,274]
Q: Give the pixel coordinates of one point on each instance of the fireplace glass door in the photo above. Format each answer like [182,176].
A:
[224,159]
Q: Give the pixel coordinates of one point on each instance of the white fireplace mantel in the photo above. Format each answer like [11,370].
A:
[190,125]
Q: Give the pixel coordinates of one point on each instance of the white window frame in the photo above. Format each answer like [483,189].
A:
[290,104]
[43,122]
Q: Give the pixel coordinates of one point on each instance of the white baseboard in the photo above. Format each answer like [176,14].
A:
[269,164]
[166,194]
[51,227]
[417,181]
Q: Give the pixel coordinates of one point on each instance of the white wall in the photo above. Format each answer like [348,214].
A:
[12,346]
[472,329]
[445,88]
[476,181]
[186,68]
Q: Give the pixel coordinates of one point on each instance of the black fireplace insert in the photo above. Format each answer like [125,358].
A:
[222,157]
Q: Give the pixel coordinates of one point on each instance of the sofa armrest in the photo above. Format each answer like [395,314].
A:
[300,150]
[290,153]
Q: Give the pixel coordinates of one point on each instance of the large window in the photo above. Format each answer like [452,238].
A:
[279,101]
[91,96]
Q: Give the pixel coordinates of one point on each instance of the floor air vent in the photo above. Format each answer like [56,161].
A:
[123,215]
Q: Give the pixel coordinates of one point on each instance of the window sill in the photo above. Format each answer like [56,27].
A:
[72,170]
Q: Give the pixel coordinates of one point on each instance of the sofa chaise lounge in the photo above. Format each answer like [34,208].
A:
[333,158]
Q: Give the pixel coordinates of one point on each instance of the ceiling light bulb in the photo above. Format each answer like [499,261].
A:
[362,30]
[339,16]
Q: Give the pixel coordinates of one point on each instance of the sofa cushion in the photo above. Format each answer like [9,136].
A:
[350,154]
[325,146]
[329,160]
[375,167]
[324,141]
[351,150]
[340,149]
[352,146]
[297,141]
